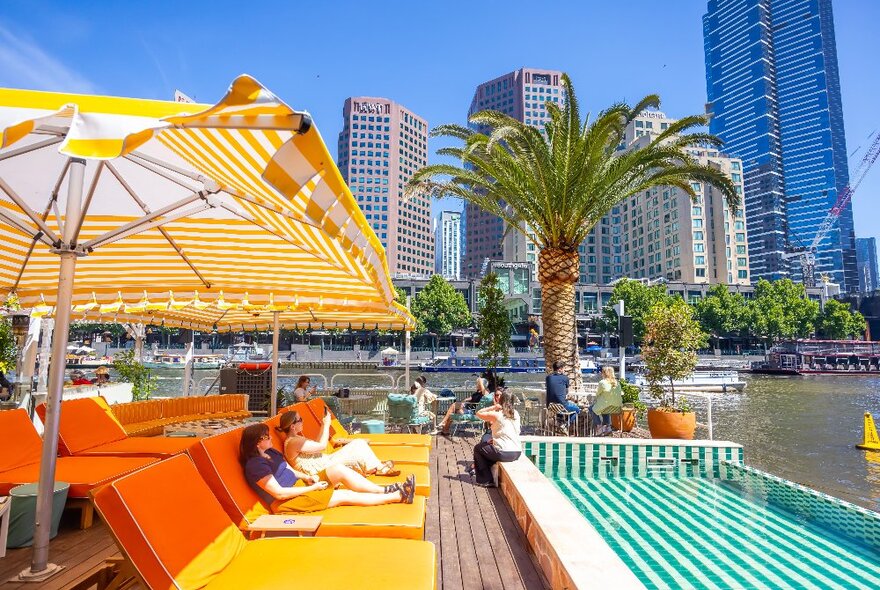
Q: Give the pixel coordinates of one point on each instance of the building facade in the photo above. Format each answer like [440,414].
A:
[447,245]
[381,145]
[774,99]
[866,257]
[663,234]
[523,95]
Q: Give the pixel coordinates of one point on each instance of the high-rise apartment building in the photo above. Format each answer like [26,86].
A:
[662,234]
[774,98]
[866,260]
[381,145]
[447,245]
[522,94]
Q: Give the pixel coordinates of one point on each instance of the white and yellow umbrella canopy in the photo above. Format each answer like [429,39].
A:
[191,214]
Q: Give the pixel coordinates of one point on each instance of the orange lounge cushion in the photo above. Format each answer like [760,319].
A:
[398,521]
[85,423]
[82,473]
[21,445]
[284,562]
[403,455]
[143,446]
[394,439]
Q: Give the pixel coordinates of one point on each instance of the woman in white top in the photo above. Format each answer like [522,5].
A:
[502,444]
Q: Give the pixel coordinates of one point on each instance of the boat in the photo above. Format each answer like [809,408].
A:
[701,381]
[821,357]
[245,351]
[463,364]
[84,362]
[167,360]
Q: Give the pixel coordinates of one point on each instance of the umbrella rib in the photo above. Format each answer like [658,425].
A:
[26,210]
[30,148]
[147,166]
[147,222]
[164,232]
[88,199]
[53,202]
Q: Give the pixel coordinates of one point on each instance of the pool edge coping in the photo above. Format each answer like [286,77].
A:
[569,550]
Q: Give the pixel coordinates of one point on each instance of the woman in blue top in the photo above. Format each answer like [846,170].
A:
[286,491]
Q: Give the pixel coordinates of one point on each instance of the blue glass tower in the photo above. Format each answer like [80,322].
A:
[774,97]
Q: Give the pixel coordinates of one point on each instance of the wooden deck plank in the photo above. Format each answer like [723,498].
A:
[453,576]
[490,575]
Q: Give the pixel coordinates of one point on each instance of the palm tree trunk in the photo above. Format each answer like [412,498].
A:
[558,273]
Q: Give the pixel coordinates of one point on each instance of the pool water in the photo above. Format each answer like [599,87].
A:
[701,532]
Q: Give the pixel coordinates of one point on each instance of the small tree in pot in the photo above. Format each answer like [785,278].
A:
[669,349]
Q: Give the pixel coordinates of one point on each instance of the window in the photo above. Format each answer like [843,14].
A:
[743,274]
[699,248]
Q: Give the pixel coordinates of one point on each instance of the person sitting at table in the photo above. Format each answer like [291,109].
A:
[309,456]
[102,376]
[609,400]
[302,393]
[470,406]
[77,377]
[557,390]
[424,397]
[287,491]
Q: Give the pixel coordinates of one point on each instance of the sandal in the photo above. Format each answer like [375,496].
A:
[408,490]
[388,470]
[393,487]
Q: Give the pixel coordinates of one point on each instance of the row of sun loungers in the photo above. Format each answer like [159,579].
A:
[181,510]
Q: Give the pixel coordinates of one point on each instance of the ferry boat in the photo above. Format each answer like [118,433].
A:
[167,360]
[245,351]
[821,357]
[463,364]
[702,381]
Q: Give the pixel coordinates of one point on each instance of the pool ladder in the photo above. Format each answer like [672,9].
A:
[669,463]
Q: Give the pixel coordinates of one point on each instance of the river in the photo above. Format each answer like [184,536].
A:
[800,428]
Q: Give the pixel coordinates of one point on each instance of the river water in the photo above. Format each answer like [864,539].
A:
[800,428]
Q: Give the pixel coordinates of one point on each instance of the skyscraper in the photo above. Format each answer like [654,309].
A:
[381,145]
[866,257]
[447,244]
[774,97]
[522,94]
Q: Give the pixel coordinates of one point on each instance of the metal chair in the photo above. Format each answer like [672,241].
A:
[469,417]
[333,403]
[403,412]
[561,420]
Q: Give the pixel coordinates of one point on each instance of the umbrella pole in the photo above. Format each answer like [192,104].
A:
[273,395]
[40,566]
[407,349]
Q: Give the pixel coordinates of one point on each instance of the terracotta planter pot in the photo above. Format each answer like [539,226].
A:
[672,424]
[629,420]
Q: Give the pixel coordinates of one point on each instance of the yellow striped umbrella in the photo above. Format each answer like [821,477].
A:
[192,214]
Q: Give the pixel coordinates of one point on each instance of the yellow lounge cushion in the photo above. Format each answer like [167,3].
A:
[406,440]
[403,455]
[330,564]
[399,521]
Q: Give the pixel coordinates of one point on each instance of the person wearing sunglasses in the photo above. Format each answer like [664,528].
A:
[286,491]
[309,456]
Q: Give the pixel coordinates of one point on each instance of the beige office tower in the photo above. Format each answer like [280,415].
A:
[662,234]
[381,145]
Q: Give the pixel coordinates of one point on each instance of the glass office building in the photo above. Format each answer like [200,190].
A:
[774,98]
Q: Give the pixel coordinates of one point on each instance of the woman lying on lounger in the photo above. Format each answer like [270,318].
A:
[308,456]
[286,490]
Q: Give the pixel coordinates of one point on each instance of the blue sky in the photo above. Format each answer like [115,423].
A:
[428,56]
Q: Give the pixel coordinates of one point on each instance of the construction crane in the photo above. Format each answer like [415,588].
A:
[807,254]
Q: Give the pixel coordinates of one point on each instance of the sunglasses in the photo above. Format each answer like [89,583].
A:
[264,437]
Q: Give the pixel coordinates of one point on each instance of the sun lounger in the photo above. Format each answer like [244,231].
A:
[177,535]
[316,408]
[409,455]
[20,463]
[89,429]
[216,459]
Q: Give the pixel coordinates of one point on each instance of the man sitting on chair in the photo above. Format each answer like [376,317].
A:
[557,390]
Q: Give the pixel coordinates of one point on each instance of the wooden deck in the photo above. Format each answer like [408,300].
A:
[479,544]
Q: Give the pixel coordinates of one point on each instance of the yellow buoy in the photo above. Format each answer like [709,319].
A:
[872,441]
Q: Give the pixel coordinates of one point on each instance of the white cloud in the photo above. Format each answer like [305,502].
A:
[23,64]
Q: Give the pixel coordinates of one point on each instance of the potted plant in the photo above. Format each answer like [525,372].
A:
[632,408]
[131,371]
[672,338]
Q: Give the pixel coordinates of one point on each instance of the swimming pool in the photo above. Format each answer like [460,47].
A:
[695,517]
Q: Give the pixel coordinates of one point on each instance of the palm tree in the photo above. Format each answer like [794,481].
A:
[559,184]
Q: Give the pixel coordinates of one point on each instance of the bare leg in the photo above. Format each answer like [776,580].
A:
[352,480]
[447,419]
[350,498]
